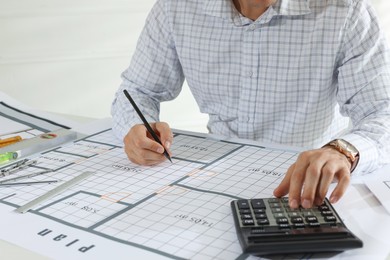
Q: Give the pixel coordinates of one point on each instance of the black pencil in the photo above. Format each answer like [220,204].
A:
[148,127]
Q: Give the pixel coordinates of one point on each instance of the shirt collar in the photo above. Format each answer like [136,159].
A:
[226,9]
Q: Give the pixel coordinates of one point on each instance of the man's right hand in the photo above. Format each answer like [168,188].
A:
[142,149]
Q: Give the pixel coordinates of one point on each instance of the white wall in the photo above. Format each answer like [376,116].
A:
[66,56]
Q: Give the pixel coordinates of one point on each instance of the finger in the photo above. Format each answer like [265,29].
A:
[147,152]
[297,180]
[147,157]
[151,145]
[312,178]
[140,149]
[142,139]
[166,135]
[344,178]
[284,185]
[327,176]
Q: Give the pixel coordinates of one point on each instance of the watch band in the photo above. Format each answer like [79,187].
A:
[347,149]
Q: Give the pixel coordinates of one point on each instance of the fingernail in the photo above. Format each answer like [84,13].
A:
[167,144]
[160,150]
[294,204]
[306,203]
[333,199]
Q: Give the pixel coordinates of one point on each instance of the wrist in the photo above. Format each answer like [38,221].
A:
[347,149]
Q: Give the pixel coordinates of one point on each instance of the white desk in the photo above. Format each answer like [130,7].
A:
[360,209]
[13,252]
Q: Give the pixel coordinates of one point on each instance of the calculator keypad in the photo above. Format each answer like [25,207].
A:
[275,213]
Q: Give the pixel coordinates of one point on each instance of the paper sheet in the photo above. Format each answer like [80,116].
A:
[10,127]
[380,187]
[17,118]
[177,210]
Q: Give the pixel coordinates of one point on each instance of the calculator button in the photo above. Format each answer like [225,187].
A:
[284,226]
[263,221]
[298,225]
[307,213]
[311,219]
[246,216]
[245,211]
[294,214]
[282,220]
[323,207]
[313,224]
[274,205]
[248,222]
[296,220]
[279,215]
[258,204]
[326,213]
[259,211]
[243,204]
[273,200]
[330,219]
[260,216]
[277,210]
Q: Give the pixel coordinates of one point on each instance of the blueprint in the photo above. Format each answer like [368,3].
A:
[176,210]
[19,119]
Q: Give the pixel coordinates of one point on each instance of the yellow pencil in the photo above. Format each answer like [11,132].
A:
[10,140]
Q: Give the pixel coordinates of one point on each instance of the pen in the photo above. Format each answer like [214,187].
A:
[148,127]
[10,140]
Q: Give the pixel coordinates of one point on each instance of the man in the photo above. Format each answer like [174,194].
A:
[289,71]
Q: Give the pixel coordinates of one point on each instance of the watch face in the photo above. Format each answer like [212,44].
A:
[346,148]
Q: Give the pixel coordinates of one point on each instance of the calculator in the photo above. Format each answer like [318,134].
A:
[267,226]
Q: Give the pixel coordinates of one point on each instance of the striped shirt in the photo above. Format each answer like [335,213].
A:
[305,72]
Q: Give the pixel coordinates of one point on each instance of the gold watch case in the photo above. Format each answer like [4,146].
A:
[347,149]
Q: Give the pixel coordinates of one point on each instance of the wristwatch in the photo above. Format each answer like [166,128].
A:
[347,149]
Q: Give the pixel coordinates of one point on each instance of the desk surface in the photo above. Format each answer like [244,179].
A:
[359,208]
[11,251]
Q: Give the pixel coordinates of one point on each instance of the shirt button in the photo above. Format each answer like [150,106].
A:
[252,27]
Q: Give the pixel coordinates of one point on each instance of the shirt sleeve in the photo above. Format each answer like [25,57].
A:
[154,75]
[364,87]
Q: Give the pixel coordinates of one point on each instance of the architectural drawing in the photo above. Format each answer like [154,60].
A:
[178,210]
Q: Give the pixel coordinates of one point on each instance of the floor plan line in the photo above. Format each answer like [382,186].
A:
[121,211]
[179,210]
[208,191]
[74,154]
[100,234]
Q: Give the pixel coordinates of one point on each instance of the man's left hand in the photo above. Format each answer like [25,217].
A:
[307,181]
